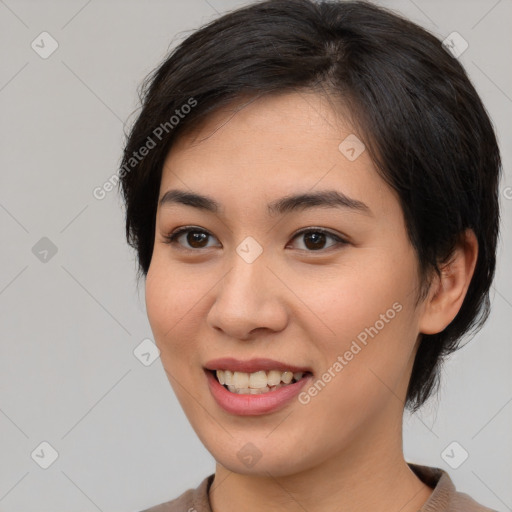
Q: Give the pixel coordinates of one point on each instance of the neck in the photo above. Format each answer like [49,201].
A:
[364,476]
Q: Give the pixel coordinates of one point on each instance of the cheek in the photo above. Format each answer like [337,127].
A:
[373,316]
[157,300]
[362,379]
[372,292]
[168,302]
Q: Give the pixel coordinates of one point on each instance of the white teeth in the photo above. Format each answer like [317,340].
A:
[274,377]
[241,380]
[287,377]
[262,390]
[256,382]
[251,391]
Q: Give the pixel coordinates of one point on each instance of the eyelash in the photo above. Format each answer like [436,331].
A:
[171,238]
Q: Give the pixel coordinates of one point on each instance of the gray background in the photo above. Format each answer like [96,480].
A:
[70,324]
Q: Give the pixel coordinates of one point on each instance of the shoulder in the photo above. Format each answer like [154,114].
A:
[444,497]
[192,500]
[466,503]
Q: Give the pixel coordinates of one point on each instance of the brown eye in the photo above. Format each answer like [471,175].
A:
[315,239]
[194,237]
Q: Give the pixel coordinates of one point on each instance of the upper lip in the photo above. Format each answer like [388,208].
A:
[252,365]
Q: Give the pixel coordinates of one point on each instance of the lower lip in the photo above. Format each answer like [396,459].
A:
[252,405]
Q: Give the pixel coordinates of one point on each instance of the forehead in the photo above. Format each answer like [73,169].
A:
[262,149]
[280,121]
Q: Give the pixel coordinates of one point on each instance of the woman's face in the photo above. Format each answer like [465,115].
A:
[243,284]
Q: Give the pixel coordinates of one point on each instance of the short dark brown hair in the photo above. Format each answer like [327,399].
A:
[415,108]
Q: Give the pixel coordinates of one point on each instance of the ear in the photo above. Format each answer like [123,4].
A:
[448,290]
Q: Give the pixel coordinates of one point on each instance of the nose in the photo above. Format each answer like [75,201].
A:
[248,300]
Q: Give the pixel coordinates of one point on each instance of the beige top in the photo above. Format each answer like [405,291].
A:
[444,498]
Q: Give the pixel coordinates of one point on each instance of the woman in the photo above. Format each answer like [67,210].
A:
[311,189]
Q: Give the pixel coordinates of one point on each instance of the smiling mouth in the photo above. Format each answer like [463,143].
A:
[256,383]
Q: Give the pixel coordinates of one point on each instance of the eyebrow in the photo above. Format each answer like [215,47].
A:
[286,204]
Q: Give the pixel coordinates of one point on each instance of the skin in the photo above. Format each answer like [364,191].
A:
[295,304]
